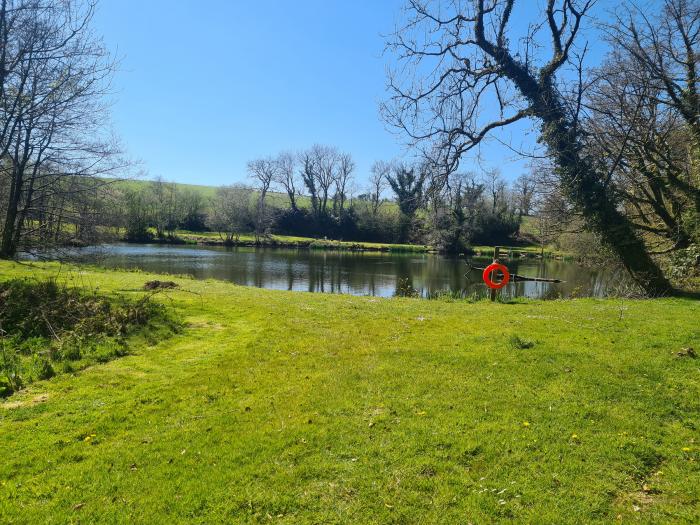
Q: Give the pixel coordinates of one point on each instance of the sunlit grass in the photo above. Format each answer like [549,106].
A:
[295,408]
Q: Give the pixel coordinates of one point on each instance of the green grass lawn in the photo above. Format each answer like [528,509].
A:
[286,407]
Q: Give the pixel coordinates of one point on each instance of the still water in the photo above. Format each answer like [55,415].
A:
[357,273]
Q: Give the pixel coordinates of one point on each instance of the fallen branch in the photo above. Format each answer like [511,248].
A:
[514,277]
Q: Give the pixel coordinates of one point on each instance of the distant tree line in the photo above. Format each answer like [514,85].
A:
[315,193]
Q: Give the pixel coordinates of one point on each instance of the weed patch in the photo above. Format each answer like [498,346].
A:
[46,328]
[518,343]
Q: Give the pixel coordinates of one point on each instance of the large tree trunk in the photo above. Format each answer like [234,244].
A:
[583,184]
[594,199]
[8,248]
[22,214]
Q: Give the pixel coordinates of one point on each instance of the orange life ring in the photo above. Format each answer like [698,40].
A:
[493,267]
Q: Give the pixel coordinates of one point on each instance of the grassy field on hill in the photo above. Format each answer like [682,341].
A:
[274,198]
[207,192]
[286,407]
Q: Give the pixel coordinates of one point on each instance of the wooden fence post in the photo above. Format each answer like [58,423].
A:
[496,254]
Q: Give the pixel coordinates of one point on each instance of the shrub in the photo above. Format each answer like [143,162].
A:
[517,343]
[685,263]
[10,378]
[43,323]
[41,368]
[404,288]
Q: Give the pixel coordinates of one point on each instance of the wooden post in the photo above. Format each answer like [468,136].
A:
[496,254]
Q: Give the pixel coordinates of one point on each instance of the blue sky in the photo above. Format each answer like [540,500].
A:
[204,87]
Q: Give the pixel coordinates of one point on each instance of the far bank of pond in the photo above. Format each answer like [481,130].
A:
[382,274]
[287,241]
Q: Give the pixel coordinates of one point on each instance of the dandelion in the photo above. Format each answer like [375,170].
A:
[574,436]
[686,449]
[526,424]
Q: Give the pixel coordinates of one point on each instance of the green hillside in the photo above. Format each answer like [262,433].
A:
[274,198]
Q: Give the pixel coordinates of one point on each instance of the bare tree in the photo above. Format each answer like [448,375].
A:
[645,147]
[524,189]
[646,117]
[496,187]
[666,46]
[53,75]
[230,212]
[136,214]
[167,211]
[319,167]
[285,176]
[378,182]
[264,172]
[192,209]
[456,59]
[343,180]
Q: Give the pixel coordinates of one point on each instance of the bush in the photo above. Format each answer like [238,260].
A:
[43,323]
[517,343]
[10,365]
[404,288]
[685,263]
[41,368]
[493,229]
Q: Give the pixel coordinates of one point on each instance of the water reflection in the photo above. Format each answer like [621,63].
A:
[357,273]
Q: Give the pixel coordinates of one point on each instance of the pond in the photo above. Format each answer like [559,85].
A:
[357,273]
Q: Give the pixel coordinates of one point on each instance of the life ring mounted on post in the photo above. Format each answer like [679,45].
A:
[492,268]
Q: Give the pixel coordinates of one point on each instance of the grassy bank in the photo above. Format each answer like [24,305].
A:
[282,407]
[289,241]
[299,242]
[522,251]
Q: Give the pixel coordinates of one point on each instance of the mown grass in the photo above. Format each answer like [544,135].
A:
[284,407]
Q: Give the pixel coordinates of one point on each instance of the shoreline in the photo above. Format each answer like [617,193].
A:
[351,246]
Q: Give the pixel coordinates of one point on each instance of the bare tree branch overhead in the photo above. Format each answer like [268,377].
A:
[263,171]
[463,73]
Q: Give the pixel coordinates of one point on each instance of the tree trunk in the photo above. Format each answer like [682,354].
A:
[261,213]
[8,248]
[593,197]
[292,201]
[582,183]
